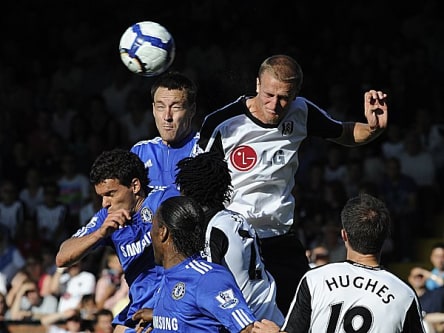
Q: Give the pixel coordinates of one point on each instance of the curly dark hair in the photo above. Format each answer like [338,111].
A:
[205,178]
[119,164]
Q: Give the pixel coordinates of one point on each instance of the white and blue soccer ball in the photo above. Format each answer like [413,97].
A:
[147,48]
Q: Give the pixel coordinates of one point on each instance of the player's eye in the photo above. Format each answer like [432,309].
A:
[178,108]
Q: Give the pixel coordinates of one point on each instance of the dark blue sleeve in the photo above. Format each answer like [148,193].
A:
[321,124]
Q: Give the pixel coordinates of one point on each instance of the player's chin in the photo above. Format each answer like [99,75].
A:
[273,119]
[168,135]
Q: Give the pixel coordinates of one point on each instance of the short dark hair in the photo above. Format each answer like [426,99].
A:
[184,219]
[366,221]
[176,81]
[119,164]
[104,312]
[206,178]
[438,245]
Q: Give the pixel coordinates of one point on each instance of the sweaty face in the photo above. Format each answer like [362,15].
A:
[172,114]
[274,98]
[115,195]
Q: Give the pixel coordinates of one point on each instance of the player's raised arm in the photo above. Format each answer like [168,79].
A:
[75,248]
[376,113]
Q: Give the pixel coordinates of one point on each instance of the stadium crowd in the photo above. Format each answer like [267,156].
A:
[65,97]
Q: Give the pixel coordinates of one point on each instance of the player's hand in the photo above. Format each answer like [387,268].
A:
[145,318]
[265,326]
[375,106]
[115,220]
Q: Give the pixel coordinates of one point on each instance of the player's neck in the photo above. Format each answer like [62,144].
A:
[172,258]
[369,260]
[139,202]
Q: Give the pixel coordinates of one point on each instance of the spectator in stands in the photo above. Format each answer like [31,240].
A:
[71,284]
[3,285]
[103,321]
[400,193]
[88,307]
[12,210]
[74,190]
[431,300]
[111,286]
[32,194]
[33,270]
[417,163]
[29,305]
[393,145]
[62,113]
[318,256]
[88,210]
[435,278]
[30,241]
[11,260]
[68,321]
[137,121]
[3,311]
[52,216]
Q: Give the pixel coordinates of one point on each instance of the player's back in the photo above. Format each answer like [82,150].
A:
[243,258]
[349,297]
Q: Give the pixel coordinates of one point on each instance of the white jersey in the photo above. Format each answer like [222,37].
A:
[231,241]
[263,159]
[74,288]
[349,297]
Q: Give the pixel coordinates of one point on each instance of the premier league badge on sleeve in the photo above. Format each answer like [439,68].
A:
[227,299]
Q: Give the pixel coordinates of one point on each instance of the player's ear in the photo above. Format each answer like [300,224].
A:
[163,234]
[344,235]
[258,83]
[135,185]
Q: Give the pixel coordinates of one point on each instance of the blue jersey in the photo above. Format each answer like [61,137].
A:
[161,160]
[132,244]
[199,296]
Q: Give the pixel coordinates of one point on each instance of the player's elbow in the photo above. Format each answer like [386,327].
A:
[61,260]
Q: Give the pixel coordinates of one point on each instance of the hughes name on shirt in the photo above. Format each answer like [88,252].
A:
[346,281]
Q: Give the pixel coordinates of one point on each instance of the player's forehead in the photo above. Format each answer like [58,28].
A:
[269,84]
[108,186]
[167,96]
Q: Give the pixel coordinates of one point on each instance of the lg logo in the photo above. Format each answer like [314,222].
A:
[243,158]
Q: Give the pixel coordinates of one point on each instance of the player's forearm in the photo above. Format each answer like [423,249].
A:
[75,248]
[363,133]
[355,134]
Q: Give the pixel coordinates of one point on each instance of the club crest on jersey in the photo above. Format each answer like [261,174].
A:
[227,299]
[287,128]
[178,291]
[146,214]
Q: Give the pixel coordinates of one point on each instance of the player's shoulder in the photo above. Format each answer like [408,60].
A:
[228,219]
[146,143]
[230,110]
[330,269]
[202,267]
[164,192]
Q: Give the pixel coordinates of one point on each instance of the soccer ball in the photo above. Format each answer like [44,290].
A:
[147,48]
